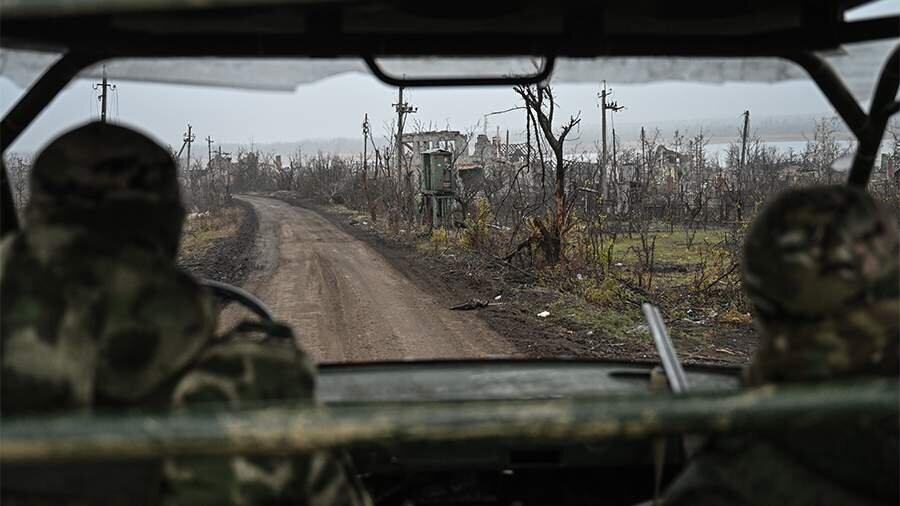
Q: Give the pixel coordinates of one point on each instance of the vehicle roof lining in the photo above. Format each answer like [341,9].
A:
[333,28]
[854,63]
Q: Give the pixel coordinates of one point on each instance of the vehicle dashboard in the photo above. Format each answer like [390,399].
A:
[497,472]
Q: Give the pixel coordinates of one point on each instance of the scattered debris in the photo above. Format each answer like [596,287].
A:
[470,304]
[543,314]
[732,315]
[640,329]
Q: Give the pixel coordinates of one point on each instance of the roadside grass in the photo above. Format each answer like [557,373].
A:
[671,250]
[202,230]
[621,322]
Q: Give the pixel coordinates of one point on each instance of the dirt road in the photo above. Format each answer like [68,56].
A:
[345,302]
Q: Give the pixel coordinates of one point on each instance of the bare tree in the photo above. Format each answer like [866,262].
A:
[541,108]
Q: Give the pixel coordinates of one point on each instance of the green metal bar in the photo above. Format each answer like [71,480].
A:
[882,108]
[299,429]
[836,92]
[39,96]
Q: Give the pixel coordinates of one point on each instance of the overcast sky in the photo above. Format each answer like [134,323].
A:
[334,107]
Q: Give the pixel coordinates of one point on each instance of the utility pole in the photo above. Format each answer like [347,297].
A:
[209,143]
[103,86]
[643,156]
[365,178]
[614,168]
[740,176]
[365,132]
[220,156]
[403,109]
[189,139]
[614,107]
[744,133]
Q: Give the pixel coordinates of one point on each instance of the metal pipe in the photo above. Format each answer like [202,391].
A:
[671,365]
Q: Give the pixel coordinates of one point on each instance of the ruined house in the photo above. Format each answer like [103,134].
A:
[671,164]
[889,166]
[453,141]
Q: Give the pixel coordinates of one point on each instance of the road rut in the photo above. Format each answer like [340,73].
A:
[345,302]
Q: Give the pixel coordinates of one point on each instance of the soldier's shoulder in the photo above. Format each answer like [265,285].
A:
[242,370]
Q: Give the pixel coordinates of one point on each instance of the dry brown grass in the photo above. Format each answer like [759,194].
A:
[201,231]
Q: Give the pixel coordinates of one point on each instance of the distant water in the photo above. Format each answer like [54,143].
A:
[718,151]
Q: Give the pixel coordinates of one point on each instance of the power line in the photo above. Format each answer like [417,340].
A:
[91,104]
[116,102]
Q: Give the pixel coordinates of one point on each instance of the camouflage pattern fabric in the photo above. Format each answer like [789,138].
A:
[821,269]
[97,315]
[94,310]
[106,177]
[834,468]
[85,325]
[239,372]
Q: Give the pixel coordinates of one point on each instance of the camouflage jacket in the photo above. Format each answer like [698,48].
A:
[238,372]
[85,327]
[851,466]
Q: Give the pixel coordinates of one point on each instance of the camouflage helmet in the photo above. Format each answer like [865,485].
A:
[111,179]
[821,271]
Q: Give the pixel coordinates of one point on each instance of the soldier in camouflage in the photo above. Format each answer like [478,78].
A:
[97,315]
[821,270]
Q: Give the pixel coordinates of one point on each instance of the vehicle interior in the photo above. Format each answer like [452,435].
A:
[493,431]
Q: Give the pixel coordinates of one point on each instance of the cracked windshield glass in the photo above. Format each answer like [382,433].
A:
[386,223]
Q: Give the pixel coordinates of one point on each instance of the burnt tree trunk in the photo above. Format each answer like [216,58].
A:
[541,107]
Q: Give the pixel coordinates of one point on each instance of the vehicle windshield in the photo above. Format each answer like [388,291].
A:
[435,223]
